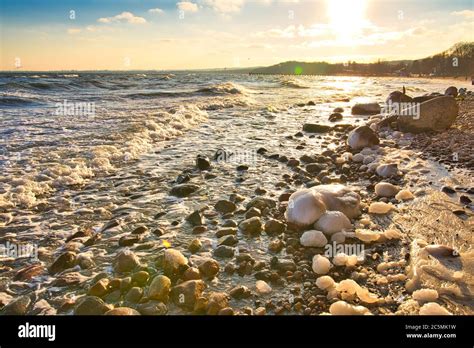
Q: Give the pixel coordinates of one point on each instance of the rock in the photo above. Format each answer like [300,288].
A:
[385,189]
[262,287]
[185,294]
[134,295]
[283,265]
[209,268]
[397,97]
[224,251]
[325,282]
[451,91]
[18,306]
[152,308]
[333,222]
[344,308]
[140,278]
[276,245]
[126,261]
[260,311]
[199,229]
[63,262]
[361,137]
[226,231]
[191,273]
[433,115]
[195,246]
[223,206]
[240,292]
[425,295]
[316,128]
[314,239]
[273,227]
[173,261]
[307,205]
[404,195]
[321,264]
[159,288]
[28,272]
[91,305]
[387,170]
[140,230]
[448,190]
[251,226]
[261,203]
[366,109]
[463,199]
[229,240]
[202,162]
[129,240]
[380,208]
[216,302]
[100,288]
[252,212]
[335,117]
[195,218]
[183,190]
[432,308]
[122,311]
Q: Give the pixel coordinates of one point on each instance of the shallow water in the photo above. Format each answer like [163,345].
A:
[62,172]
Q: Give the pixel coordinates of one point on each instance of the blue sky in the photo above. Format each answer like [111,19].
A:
[107,34]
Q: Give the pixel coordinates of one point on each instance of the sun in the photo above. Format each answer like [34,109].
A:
[346,17]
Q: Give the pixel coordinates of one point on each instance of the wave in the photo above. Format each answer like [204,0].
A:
[293,84]
[223,88]
[16,101]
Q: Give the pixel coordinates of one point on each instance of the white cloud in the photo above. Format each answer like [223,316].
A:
[465,13]
[123,17]
[156,10]
[225,6]
[187,6]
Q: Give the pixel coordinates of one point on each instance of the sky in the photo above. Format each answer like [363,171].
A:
[201,34]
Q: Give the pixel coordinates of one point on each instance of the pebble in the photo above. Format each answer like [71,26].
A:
[313,238]
[404,195]
[134,294]
[251,226]
[183,190]
[195,218]
[63,262]
[91,305]
[332,222]
[229,240]
[152,308]
[191,273]
[387,170]
[325,282]
[185,294]
[262,287]
[224,251]
[216,302]
[432,308]
[380,208]
[126,261]
[273,227]
[18,306]
[240,292]
[209,268]
[385,189]
[195,246]
[226,232]
[321,264]
[225,206]
[100,288]
[173,261]
[122,311]
[202,162]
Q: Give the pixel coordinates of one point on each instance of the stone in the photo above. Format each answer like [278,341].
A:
[209,268]
[397,97]
[140,230]
[152,308]
[240,292]
[223,206]
[173,261]
[28,272]
[344,308]
[185,294]
[316,128]
[226,232]
[224,251]
[252,212]
[122,311]
[159,288]
[126,261]
[229,240]
[226,311]
[273,227]
[451,91]
[261,203]
[432,308]
[183,190]
[91,305]
[262,287]
[100,288]
[380,208]
[134,295]
[366,109]
[251,226]
[336,116]
[140,278]
[313,238]
[129,240]
[361,137]
[18,306]
[425,295]
[195,246]
[332,222]
[436,114]
[63,262]
[275,245]
[306,206]
[216,302]
[202,162]
[387,170]
[195,218]
[321,264]
[325,282]
[191,273]
[385,189]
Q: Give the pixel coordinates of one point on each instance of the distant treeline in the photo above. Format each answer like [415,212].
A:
[457,61]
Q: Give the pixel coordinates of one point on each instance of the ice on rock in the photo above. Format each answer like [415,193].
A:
[321,264]
[380,208]
[307,205]
[325,282]
[367,235]
[404,195]
[425,295]
[344,308]
[332,222]
[432,308]
[313,238]
[385,189]
[392,234]
[348,288]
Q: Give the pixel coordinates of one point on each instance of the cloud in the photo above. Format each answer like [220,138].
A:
[156,10]
[465,13]
[123,17]
[187,6]
[225,6]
